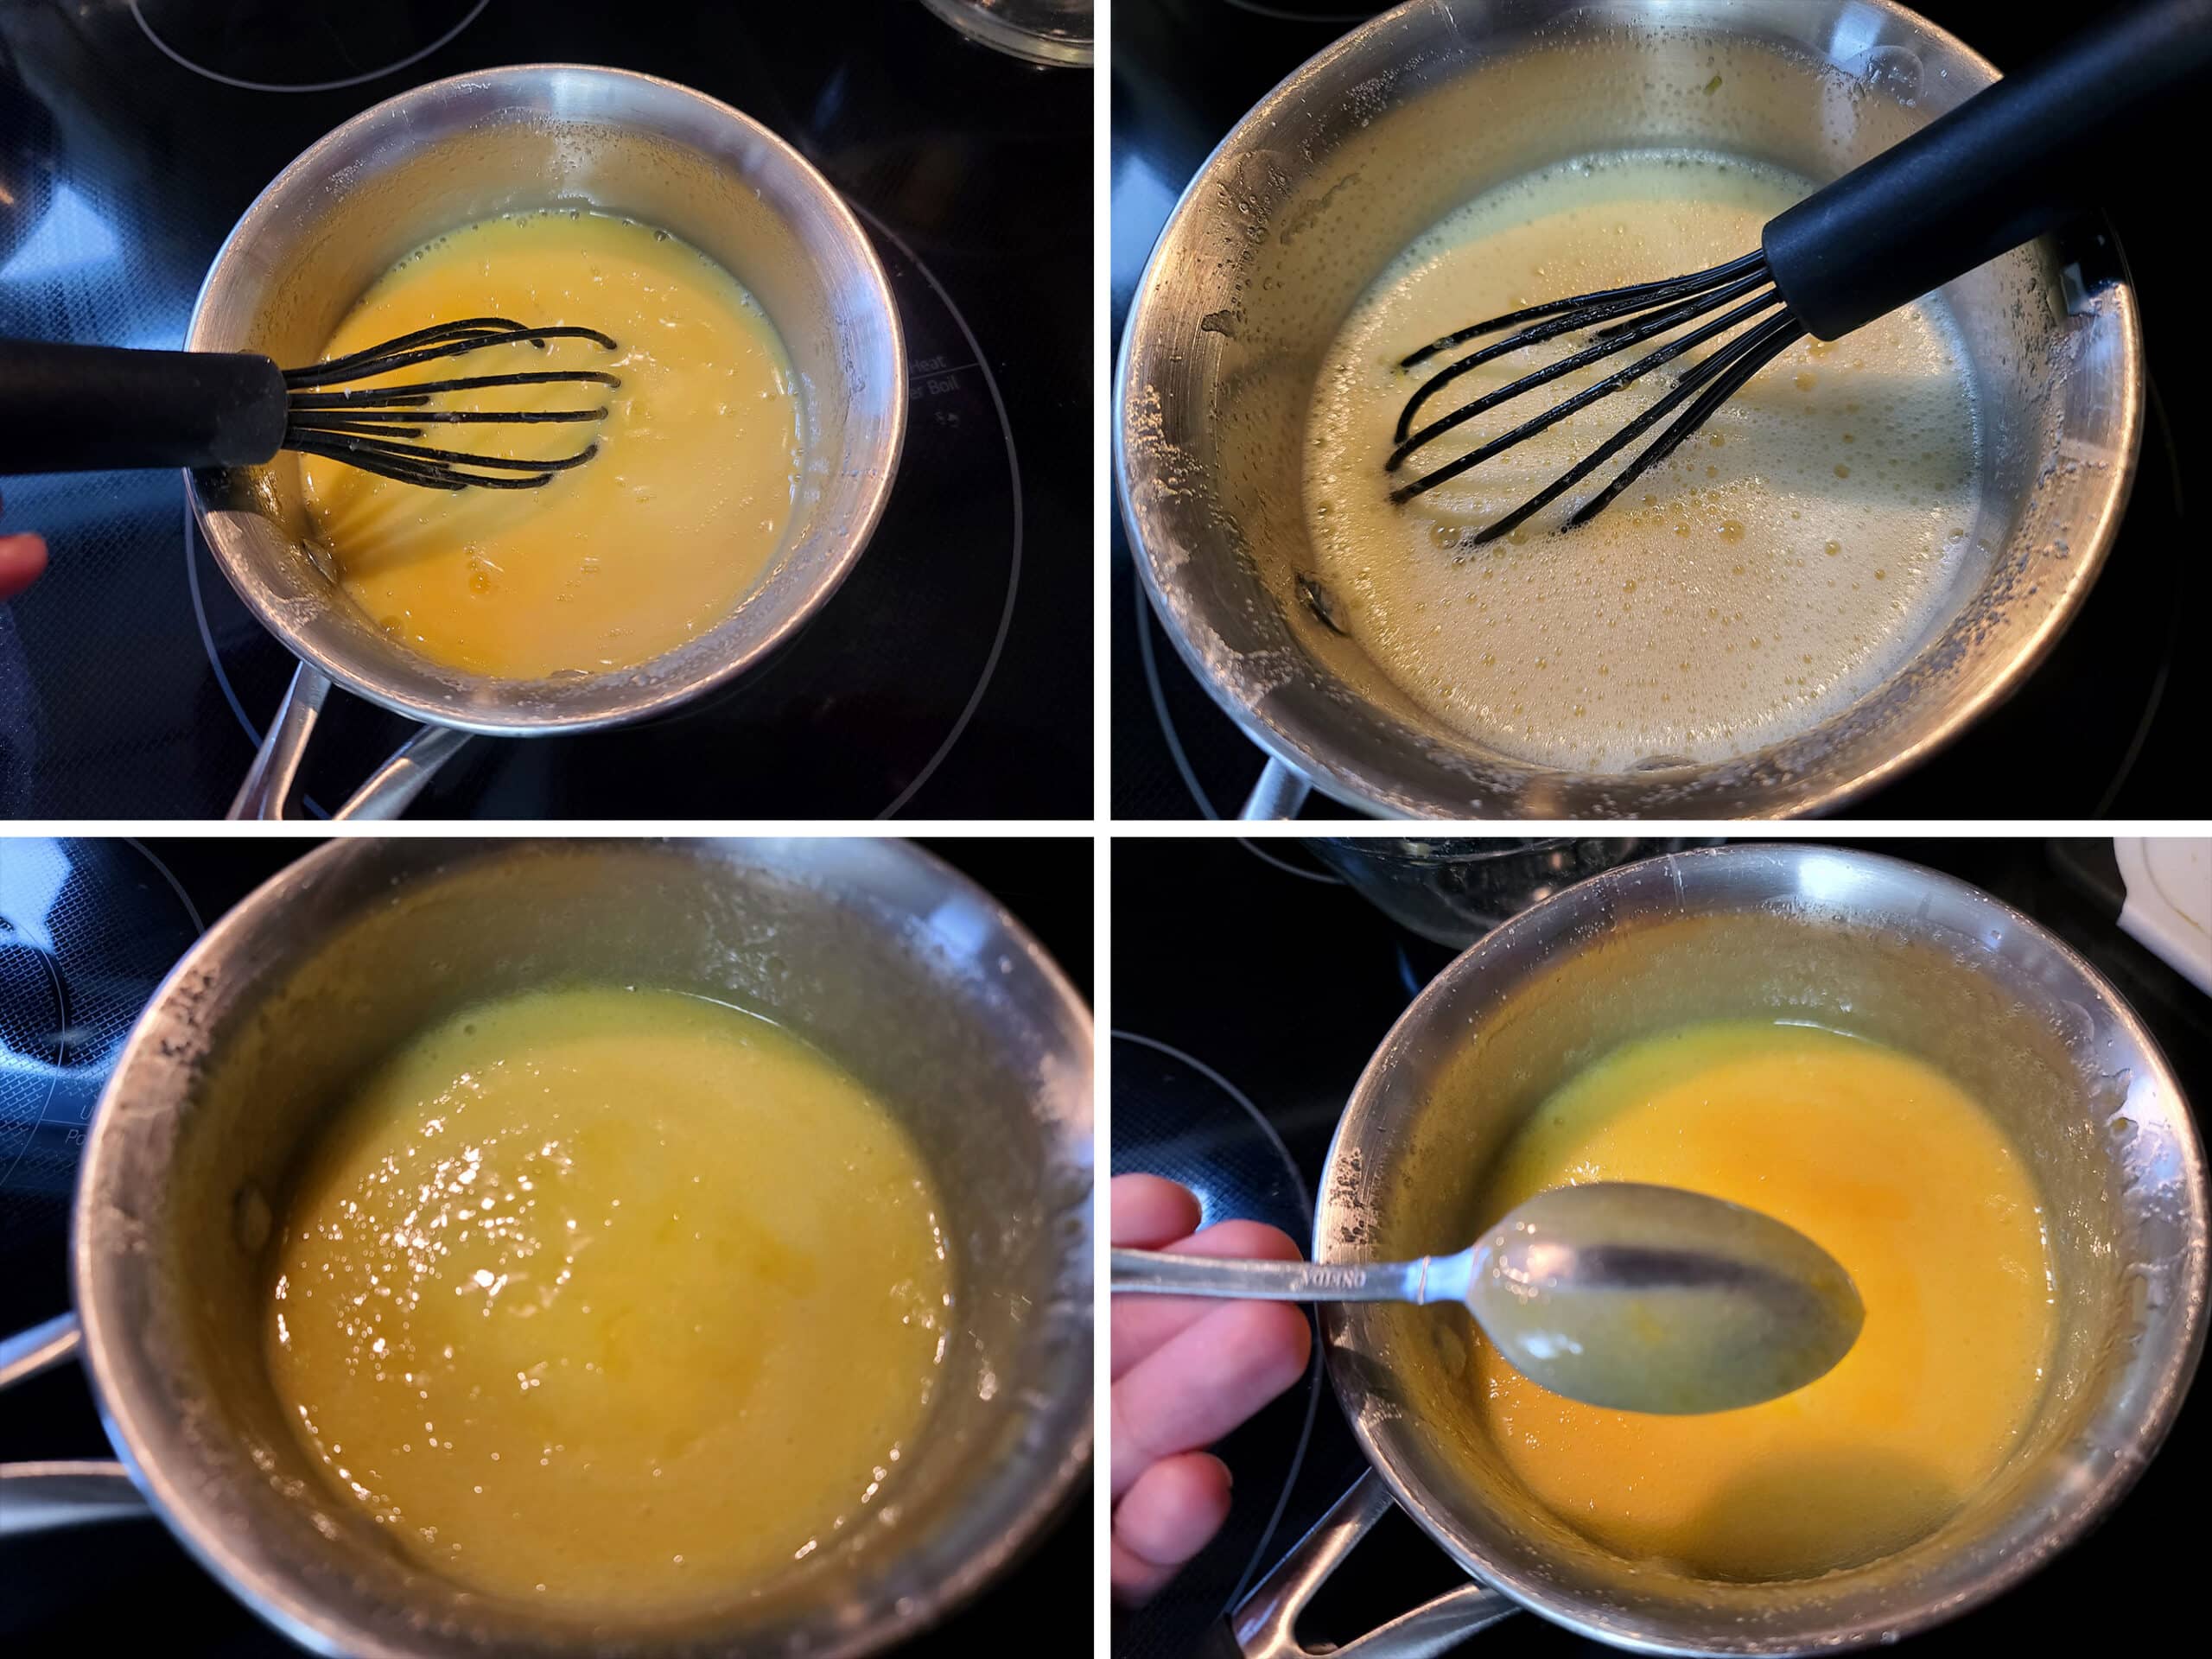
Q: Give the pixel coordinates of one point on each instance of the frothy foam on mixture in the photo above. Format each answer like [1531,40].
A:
[1788,558]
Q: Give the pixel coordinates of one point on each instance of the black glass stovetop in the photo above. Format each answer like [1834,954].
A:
[88,928]
[2110,725]
[1251,986]
[943,681]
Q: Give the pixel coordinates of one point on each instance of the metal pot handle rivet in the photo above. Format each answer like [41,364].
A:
[1265,1627]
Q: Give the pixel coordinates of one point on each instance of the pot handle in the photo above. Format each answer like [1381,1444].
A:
[1279,794]
[401,779]
[47,1497]
[271,785]
[276,774]
[1265,1626]
[42,1497]
[41,1347]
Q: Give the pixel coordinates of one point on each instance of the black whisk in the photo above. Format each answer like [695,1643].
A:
[370,426]
[67,408]
[2005,167]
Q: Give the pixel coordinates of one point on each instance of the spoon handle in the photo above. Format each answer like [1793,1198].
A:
[1158,1272]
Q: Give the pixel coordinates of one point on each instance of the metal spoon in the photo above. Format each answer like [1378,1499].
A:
[1619,1294]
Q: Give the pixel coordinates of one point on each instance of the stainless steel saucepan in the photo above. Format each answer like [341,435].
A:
[1848,940]
[1372,142]
[443,154]
[907,973]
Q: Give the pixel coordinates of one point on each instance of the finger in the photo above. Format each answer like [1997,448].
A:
[1170,1515]
[1140,1324]
[1134,1582]
[1146,1213]
[23,560]
[1203,1382]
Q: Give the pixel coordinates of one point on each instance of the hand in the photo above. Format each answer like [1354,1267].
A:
[22,558]
[1185,1372]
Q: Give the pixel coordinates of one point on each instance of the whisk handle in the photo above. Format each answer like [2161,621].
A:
[81,409]
[2011,163]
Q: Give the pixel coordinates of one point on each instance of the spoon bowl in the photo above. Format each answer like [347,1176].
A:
[1652,1298]
[1617,1294]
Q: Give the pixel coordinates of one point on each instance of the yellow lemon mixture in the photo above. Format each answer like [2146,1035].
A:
[609,1299]
[1789,557]
[1885,1164]
[628,556]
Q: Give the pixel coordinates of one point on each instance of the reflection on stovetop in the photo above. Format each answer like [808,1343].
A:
[938,682]
[90,927]
[2108,726]
[1282,980]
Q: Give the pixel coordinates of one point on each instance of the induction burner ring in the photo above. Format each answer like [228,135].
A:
[2161,431]
[1013,471]
[290,11]
[1283,14]
[191,910]
[80,952]
[1325,878]
[33,1013]
[278,665]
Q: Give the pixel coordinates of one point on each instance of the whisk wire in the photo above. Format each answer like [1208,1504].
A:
[1611,342]
[1751,347]
[369,427]
[415,464]
[1765,343]
[1655,293]
[344,417]
[421,391]
[444,340]
[1588,309]
[1617,319]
